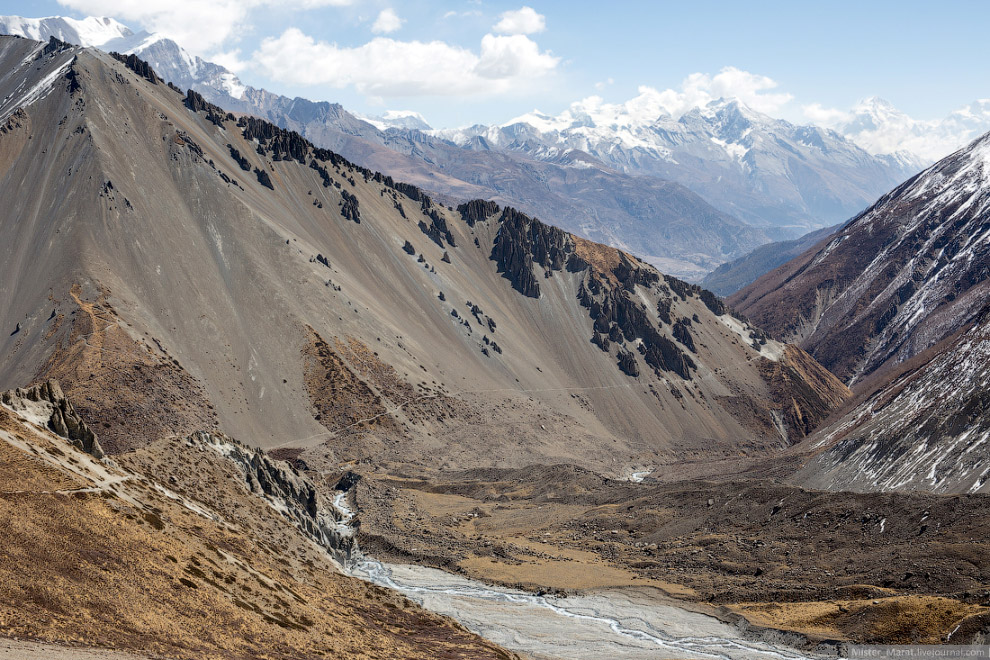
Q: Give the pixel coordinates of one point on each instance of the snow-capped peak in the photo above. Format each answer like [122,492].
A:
[168,58]
[407,119]
[637,113]
[91,31]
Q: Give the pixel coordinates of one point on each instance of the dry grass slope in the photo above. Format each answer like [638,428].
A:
[199,573]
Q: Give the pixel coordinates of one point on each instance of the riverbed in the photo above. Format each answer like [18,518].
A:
[628,624]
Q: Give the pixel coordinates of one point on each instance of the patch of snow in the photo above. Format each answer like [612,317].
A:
[39,91]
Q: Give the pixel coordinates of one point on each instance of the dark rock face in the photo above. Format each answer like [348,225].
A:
[683,335]
[196,103]
[53,47]
[477,210]
[264,179]
[522,241]
[614,310]
[241,160]
[349,207]
[139,66]
[628,364]
[712,302]
[409,249]
[63,420]
[437,230]
[277,142]
[288,491]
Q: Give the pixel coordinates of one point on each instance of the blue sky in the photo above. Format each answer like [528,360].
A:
[487,60]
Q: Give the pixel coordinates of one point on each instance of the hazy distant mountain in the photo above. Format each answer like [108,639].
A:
[398,119]
[734,275]
[765,171]
[882,129]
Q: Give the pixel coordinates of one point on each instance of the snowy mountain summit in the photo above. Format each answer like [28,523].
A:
[90,31]
[168,58]
[765,171]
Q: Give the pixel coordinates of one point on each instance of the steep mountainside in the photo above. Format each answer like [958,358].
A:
[765,171]
[193,548]
[734,275]
[905,274]
[896,302]
[173,264]
[926,429]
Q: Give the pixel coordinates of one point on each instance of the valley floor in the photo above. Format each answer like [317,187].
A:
[875,568]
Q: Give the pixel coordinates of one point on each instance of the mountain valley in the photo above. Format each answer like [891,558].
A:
[260,354]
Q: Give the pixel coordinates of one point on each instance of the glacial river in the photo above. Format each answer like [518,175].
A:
[620,624]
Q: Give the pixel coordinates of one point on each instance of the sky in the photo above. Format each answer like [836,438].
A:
[487,61]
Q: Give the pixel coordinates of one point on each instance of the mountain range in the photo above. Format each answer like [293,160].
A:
[685,193]
[766,171]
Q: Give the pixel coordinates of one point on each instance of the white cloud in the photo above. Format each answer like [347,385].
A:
[462,14]
[521,21]
[200,26]
[230,60]
[385,67]
[696,91]
[387,22]
[880,128]
[699,89]
[822,116]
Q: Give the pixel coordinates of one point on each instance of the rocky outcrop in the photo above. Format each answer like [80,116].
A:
[618,313]
[264,179]
[47,402]
[349,207]
[53,47]
[241,160]
[139,66]
[437,230]
[288,492]
[523,241]
[477,210]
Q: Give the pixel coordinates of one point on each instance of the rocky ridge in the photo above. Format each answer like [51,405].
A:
[46,404]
